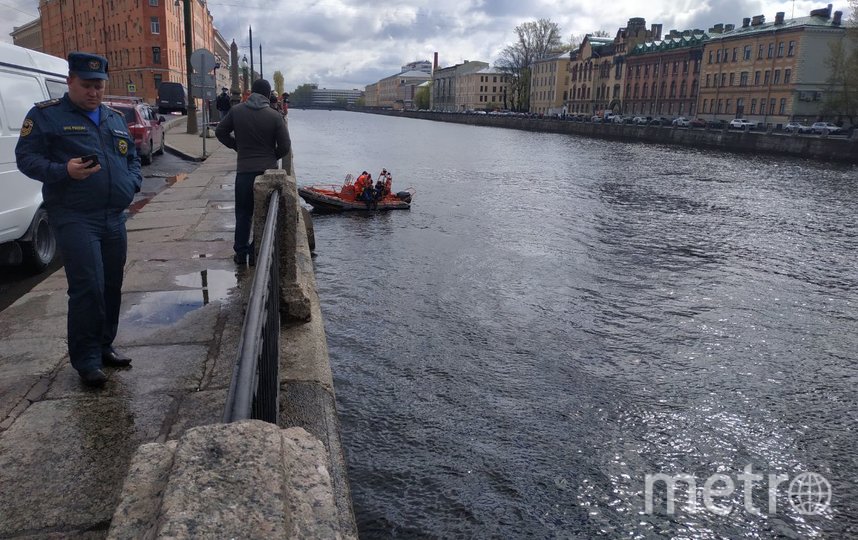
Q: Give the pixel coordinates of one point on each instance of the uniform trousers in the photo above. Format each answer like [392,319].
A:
[93,246]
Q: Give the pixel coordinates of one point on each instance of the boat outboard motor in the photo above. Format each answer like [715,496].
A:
[404,196]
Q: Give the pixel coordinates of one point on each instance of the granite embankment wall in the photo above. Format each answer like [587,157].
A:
[758,142]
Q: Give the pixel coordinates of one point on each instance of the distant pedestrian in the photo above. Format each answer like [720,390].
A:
[223,103]
[259,135]
[84,155]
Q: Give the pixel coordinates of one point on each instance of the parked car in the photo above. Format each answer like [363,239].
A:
[742,123]
[825,128]
[172,97]
[28,77]
[716,124]
[660,121]
[797,127]
[146,128]
[641,120]
[596,119]
[618,119]
[698,123]
[681,122]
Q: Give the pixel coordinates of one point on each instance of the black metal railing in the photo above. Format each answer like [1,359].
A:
[254,390]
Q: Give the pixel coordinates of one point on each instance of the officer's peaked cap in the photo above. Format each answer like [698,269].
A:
[88,66]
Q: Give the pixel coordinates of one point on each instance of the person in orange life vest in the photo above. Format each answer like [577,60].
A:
[388,185]
[360,183]
[367,194]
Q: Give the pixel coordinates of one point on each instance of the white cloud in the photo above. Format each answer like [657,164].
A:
[351,43]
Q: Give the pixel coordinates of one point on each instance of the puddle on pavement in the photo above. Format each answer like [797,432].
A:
[223,206]
[163,308]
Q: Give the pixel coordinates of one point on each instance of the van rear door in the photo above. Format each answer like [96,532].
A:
[21,195]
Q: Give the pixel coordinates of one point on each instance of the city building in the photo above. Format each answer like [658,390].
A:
[485,89]
[28,35]
[663,76]
[420,65]
[549,84]
[327,97]
[143,41]
[398,91]
[444,85]
[597,68]
[370,97]
[221,54]
[770,72]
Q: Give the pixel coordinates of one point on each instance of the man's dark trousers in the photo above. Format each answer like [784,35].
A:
[93,246]
[244,211]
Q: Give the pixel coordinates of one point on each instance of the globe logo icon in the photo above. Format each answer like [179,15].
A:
[810,493]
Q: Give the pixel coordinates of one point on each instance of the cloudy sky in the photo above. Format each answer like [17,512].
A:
[352,43]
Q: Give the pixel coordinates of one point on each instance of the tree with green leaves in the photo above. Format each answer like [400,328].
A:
[534,40]
[841,99]
[421,98]
[302,96]
[279,83]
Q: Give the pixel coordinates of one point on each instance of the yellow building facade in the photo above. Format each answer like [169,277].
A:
[772,72]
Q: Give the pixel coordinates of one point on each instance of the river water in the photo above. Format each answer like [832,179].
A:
[558,317]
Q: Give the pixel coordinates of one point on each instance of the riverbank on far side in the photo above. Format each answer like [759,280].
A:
[822,148]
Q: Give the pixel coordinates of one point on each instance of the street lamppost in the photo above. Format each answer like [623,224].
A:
[244,71]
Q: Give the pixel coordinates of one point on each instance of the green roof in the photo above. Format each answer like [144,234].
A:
[670,43]
[789,24]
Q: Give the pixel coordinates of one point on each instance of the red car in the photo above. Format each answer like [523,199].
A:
[145,126]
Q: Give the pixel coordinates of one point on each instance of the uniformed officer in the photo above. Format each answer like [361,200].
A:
[85,158]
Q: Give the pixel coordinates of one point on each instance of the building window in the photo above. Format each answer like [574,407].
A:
[638,71]
[780,49]
[156,55]
[718,57]
[735,54]
[747,53]
[754,106]
[777,77]
[743,78]
[732,79]
[772,106]
[766,78]
[787,75]
[705,101]
[740,106]
[655,70]
[771,50]
[708,80]
[710,56]
[791,49]
[154,25]
[727,110]
[153,3]
[782,109]
[756,78]
[760,52]
[720,105]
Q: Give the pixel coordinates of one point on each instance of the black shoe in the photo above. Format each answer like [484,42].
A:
[95,378]
[239,258]
[112,358]
[251,258]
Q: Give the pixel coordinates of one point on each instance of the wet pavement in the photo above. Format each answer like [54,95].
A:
[64,448]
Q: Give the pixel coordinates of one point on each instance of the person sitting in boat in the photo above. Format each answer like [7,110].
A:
[388,186]
[360,183]
[379,189]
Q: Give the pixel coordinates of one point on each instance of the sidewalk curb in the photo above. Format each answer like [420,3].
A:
[179,153]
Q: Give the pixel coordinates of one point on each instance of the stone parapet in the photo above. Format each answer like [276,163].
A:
[247,479]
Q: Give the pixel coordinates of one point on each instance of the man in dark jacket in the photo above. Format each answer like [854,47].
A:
[258,133]
[223,103]
[83,153]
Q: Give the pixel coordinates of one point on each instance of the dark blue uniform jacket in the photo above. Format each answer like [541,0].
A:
[56,131]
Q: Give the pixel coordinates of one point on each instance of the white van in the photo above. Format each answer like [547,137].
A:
[26,77]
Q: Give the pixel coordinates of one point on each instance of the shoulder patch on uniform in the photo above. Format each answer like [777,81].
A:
[48,103]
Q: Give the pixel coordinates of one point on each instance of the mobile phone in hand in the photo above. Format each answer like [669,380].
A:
[92,158]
